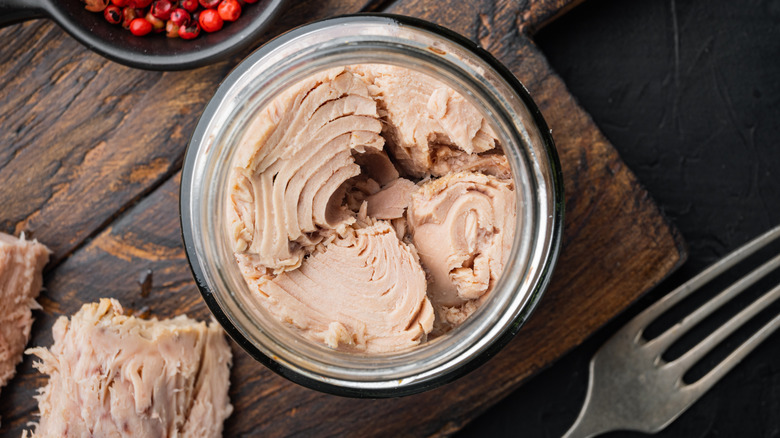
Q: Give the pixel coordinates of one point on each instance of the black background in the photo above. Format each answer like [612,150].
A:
[688,92]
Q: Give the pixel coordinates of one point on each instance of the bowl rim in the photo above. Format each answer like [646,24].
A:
[210,54]
[536,293]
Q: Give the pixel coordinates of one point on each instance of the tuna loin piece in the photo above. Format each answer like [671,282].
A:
[292,165]
[463,226]
[21,265]
[364,292]
[421,113]
[120,376]
[447,160]
[392,200]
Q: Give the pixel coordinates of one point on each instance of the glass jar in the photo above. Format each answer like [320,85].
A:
[366,39]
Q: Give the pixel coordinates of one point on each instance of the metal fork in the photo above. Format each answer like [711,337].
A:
[632,388]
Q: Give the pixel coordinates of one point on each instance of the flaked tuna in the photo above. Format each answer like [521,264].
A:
[120,376]
[446,160]
[421,114]
[21,265]
[391,201]
[326,218]
[463,226]
[364,292]
[290,184]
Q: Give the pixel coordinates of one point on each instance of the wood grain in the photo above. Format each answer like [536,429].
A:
[80,124]
[75,166]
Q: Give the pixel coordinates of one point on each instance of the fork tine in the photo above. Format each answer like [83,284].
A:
[663,341]
[701,386]
[698,351]
[668,337]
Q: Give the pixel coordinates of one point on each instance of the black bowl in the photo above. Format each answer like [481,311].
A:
[154,52]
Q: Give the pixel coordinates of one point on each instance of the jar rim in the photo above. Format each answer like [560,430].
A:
[189,179]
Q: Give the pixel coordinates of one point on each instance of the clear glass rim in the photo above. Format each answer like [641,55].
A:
[411,371]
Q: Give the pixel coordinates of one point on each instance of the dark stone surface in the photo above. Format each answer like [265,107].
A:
[689,94]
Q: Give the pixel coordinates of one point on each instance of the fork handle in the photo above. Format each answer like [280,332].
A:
[594,417]
[586,426]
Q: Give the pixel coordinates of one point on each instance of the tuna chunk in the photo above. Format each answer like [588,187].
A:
[446,160]
[463,226]
[392,200]
[364,292]
[120,376]
[21,265]
[420,113]
[289,185]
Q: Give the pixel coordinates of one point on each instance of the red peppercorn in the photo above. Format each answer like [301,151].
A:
[180,17]
[171,29]
[189,5]
[96,5]
[208,4]
[157,24]
[162,9]
[113,14]
[140,27]
[177,18]
[128,15]
[229,10]
[210,20]
[190,31]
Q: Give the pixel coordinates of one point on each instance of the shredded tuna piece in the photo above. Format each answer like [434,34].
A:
[462,225]
[446,160]
[392,200]
[420,112]
[121,376]
[364,292]
[21,267]
[292,186]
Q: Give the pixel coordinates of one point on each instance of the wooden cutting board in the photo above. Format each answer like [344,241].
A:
[90,154]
